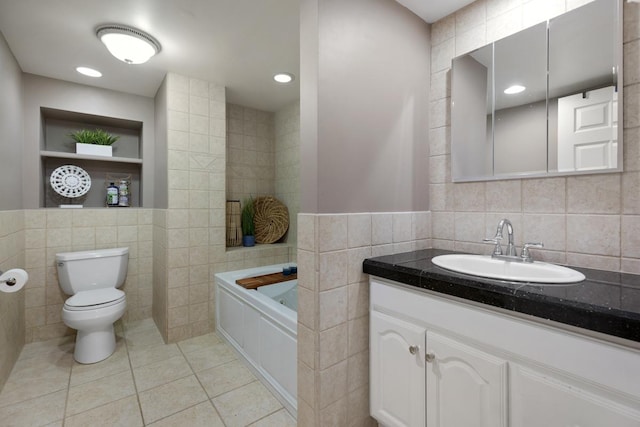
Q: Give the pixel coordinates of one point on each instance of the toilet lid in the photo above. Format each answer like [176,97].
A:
[94,297]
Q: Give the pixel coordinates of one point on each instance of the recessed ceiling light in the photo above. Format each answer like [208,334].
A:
[284,77]
[128,44]
[89,71]
[511,90]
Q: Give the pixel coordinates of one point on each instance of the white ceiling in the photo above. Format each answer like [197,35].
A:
[237,43]
[433,10]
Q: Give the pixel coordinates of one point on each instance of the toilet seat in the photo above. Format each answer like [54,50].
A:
[94,299]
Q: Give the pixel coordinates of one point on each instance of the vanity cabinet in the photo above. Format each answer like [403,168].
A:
[397,371]
[441,362]
[465,386]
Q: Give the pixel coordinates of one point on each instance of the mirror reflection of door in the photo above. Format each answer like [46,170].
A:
[583,47]
[588,130]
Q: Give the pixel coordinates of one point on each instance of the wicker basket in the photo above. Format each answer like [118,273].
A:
[234,230]
[271,219]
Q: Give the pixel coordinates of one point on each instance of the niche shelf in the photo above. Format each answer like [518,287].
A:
[57,149]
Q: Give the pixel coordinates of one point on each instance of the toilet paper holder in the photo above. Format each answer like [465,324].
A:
[11,281]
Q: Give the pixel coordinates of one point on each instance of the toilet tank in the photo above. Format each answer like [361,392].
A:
[96,269]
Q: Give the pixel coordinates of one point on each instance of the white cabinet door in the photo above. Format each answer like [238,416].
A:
[465,386]
[539,399]
[397,371]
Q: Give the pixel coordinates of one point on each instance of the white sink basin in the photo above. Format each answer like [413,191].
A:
[485,266]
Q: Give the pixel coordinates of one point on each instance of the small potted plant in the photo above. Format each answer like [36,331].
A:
[248,228]
[94,142]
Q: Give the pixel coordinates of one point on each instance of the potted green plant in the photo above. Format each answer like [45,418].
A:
[246,220]
[94,142]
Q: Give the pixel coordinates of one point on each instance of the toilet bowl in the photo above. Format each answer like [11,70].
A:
[92,278]
[94,320]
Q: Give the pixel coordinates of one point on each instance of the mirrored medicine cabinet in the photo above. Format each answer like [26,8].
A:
[543,101]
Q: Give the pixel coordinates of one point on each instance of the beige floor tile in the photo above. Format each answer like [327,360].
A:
[166,371]
[124,413]
[114,364]
[215,355]
[138,325]
[43,363]
[99,392]
[224,378]
[104,393]
[279,419]
[33,377]
[171,398]
[118,327]
[143,338]
[246,404]
[141,356]
[13,392]
[54,346]
[199,343]
[201,415]
[40,411]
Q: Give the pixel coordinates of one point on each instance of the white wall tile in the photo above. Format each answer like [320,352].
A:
[332,232]
[594,194]
[594,234]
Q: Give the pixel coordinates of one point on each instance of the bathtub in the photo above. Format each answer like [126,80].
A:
[262,326]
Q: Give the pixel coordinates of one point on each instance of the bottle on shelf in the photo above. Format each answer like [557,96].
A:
[123,193]
[112,195]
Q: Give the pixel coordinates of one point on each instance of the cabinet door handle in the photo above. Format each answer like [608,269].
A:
[413,349]
[429,357]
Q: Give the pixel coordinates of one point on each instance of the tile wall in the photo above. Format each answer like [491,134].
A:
[11,304]
[250,152]
[193,225]
[588,221]
[160,271]
[189,236]
[333,308]
[287,164]
[49,231]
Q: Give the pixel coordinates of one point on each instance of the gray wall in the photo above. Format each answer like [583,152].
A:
[44,92]
[520,139]
[11,136]
[309,105]
[12,317]
[364,102]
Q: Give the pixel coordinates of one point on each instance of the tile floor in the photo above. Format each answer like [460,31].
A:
[196,382]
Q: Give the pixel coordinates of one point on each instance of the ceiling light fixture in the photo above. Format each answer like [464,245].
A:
[89,71]
[284,77]
[512,90]
[128,44]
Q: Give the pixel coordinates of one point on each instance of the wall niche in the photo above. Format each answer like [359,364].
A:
[57,148]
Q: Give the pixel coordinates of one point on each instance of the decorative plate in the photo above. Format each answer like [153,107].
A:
[70,181]
[271,219]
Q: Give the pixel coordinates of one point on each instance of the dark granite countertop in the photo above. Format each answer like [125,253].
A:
[606,302]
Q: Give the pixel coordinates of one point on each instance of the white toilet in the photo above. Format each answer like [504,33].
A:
[92,278]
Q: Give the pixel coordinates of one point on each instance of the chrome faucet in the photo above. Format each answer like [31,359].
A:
[511,253]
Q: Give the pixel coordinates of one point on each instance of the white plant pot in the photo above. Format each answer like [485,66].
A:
[94,150]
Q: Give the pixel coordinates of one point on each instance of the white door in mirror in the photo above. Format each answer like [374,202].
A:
[588,130]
